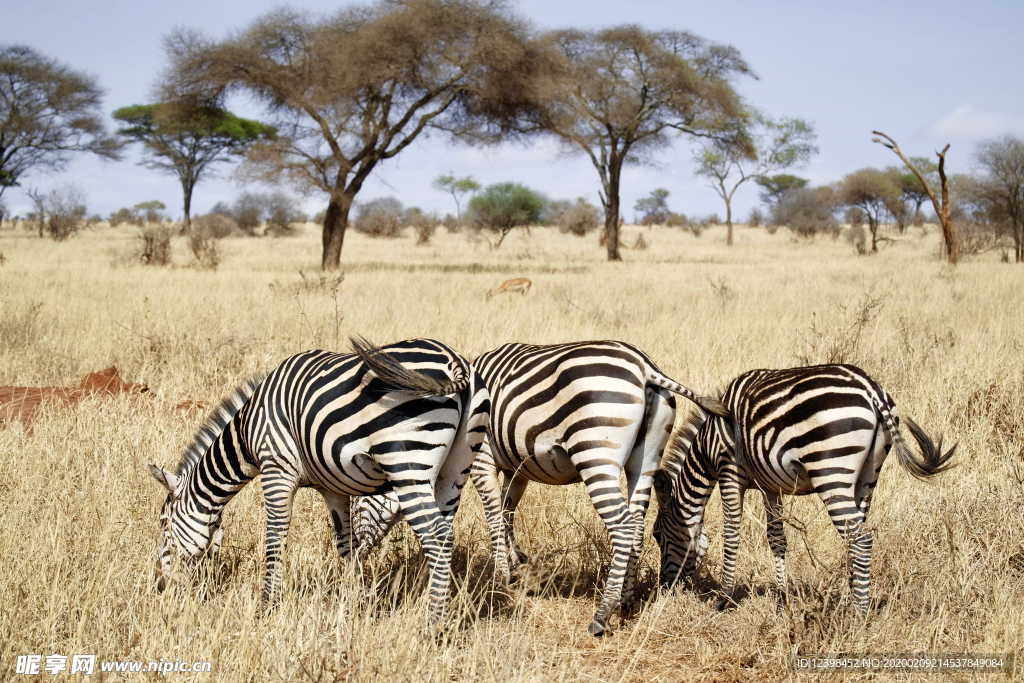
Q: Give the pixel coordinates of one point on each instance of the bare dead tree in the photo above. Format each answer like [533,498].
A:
[941,205]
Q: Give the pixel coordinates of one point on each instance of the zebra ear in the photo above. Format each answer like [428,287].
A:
[170,481]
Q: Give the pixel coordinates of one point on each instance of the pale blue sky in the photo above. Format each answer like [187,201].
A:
[925,72]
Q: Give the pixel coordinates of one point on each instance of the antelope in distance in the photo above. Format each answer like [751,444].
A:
[516,284]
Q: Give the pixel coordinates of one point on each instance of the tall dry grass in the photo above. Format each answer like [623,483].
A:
[79,517]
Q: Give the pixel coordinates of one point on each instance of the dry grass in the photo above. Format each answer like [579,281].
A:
[79,517]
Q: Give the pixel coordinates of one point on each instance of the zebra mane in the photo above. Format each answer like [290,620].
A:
[215,423]
[682,439]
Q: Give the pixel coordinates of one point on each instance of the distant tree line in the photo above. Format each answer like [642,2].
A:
[342,93]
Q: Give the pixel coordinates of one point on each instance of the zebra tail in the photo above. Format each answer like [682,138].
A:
[934,462]
[399,377]
[708,403]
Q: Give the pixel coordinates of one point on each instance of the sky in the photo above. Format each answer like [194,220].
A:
[926,73]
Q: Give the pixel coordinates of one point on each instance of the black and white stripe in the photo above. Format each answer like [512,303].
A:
[824,429]
[561,414]
[358,424]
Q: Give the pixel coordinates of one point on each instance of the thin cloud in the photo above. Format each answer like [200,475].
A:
[967,122]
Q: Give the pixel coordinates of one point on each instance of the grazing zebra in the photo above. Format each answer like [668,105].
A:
[825,429]
[560,414]
[380,419]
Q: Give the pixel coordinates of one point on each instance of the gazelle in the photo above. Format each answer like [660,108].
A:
[516,284]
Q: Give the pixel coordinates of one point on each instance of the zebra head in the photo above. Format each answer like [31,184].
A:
[179,533]
[680,538]
[683,486]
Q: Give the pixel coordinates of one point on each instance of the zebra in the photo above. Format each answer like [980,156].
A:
[561,414]
[392,418]
[825,429]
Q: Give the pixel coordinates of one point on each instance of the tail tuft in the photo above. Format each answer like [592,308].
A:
[397,376]
[935,461]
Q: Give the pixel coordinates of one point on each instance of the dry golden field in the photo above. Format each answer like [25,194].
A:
[79,513]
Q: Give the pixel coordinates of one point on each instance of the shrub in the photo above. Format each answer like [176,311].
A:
[155,245]
[857,237]
[65,212]
[424,224]
[756,218]
[125,216]
[248,212]
[151,212]
[677,220]
[282,214]
[451,223]
[807,211]
[381,217]
[204,245]
[578,218]
[215,225]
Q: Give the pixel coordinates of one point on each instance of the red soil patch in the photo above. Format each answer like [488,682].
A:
[23,403]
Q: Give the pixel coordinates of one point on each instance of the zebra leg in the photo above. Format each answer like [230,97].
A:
[513,488]
[659,418]
[859,541]
[776,533]
[847,516]
[278,493]
[434,532]
[469,441]
[601,477]
[338,508]
[372,519]
[732,507]
[484,474]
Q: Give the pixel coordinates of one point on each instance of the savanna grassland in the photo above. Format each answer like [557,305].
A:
[79,515]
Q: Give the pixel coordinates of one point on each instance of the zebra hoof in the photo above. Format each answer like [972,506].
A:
[724,604]
[596,629]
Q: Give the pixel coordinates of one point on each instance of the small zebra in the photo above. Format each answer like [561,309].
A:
[825,429]
[561,414]
[380,419]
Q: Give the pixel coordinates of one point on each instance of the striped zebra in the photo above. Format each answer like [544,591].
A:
[561,414]
[380,419]
[825,429]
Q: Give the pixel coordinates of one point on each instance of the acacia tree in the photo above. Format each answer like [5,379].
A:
[872,191]
[456,187]
[503,207]
[773,145]
[774,187]
[351,90]
[1002,161]
[186,141]
[653,208]
[616,95]
[47,112]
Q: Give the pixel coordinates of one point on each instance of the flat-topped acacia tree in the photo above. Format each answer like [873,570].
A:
[186,141]
[48,111]
[618,93]
[351,90]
